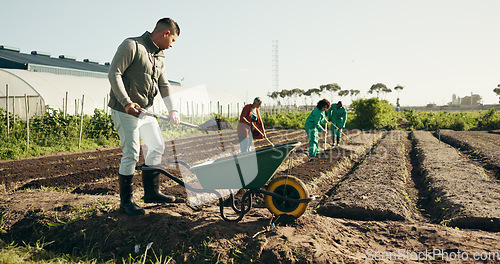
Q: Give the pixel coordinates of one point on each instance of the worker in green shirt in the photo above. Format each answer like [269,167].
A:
[314,124]
[338,116]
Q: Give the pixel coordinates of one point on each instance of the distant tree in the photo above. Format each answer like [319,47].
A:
[497,91]
[379,87]
[386,91]
[331,87]
[343,93]
[274,95]
[398,88]
[354,92]
[296,92]
[285,94]
[311,92]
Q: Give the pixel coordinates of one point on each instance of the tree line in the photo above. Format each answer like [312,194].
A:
[497,91]
[285,96]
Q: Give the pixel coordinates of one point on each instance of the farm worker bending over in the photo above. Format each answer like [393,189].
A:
[250,125]
[136,74]
[338,116]
[314,124]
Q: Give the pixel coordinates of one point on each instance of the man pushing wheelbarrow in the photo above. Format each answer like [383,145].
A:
[136,74]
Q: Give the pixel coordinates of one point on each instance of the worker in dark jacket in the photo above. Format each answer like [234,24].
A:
[250,125]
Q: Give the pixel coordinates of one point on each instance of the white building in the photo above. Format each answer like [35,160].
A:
[63,82]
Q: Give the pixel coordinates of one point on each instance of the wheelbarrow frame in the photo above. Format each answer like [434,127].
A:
[246,199]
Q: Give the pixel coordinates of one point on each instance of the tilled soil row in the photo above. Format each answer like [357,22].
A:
[460,193]
[194,150]
[481,145]
[321,173]
[335,162]
[14,168]
[375,190]
[61,174]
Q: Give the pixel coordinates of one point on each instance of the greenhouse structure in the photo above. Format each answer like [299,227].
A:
[32,83]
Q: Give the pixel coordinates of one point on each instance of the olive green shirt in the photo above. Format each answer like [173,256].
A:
[137,73]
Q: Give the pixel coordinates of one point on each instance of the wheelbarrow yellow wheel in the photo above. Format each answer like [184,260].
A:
[290,187]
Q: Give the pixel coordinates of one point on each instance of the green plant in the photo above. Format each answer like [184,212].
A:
[373,113]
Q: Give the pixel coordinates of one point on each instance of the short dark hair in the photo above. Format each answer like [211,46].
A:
[322,103]
[170,23]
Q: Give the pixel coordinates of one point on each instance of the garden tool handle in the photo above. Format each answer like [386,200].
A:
[260,132]
[340,130]
[166,118]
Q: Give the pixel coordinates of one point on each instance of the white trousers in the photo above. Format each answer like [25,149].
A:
[246,143]
[131,130]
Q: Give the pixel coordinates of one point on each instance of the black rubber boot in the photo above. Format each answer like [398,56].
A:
[127,204]
[152,194]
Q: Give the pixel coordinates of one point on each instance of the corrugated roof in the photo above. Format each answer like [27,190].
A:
[16,60]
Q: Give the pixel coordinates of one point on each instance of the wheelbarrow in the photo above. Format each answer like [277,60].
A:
[285,195]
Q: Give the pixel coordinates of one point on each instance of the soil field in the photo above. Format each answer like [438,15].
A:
[71,201]
[374,192]
[479,144]
[460,192]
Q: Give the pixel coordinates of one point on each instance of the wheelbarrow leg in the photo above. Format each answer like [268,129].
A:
[246,197]
[233,205]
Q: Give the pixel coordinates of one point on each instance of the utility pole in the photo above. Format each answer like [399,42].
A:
[275,84]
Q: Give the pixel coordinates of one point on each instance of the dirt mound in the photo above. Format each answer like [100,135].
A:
[83,224]
[376,189]
[479,144]
[453,183]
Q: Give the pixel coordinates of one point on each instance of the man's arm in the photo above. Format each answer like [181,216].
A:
[164,87]
[344,118]
[121,61]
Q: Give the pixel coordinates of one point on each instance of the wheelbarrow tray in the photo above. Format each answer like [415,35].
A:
[250,170]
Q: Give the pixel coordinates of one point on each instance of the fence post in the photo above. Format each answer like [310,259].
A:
[192,111]
[106,105]
[202,112]
[27,122]
[81,124]
[66,106]
[14,112]
[180,106]
[7,107]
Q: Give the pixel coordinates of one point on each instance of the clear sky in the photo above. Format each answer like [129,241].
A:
[432,48]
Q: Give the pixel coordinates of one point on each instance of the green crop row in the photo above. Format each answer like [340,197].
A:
[379,114]
[53,132]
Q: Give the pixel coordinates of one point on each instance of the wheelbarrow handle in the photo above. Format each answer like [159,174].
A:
[167,118]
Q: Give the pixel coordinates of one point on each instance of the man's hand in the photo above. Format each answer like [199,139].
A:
[131,108]
[174,117]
